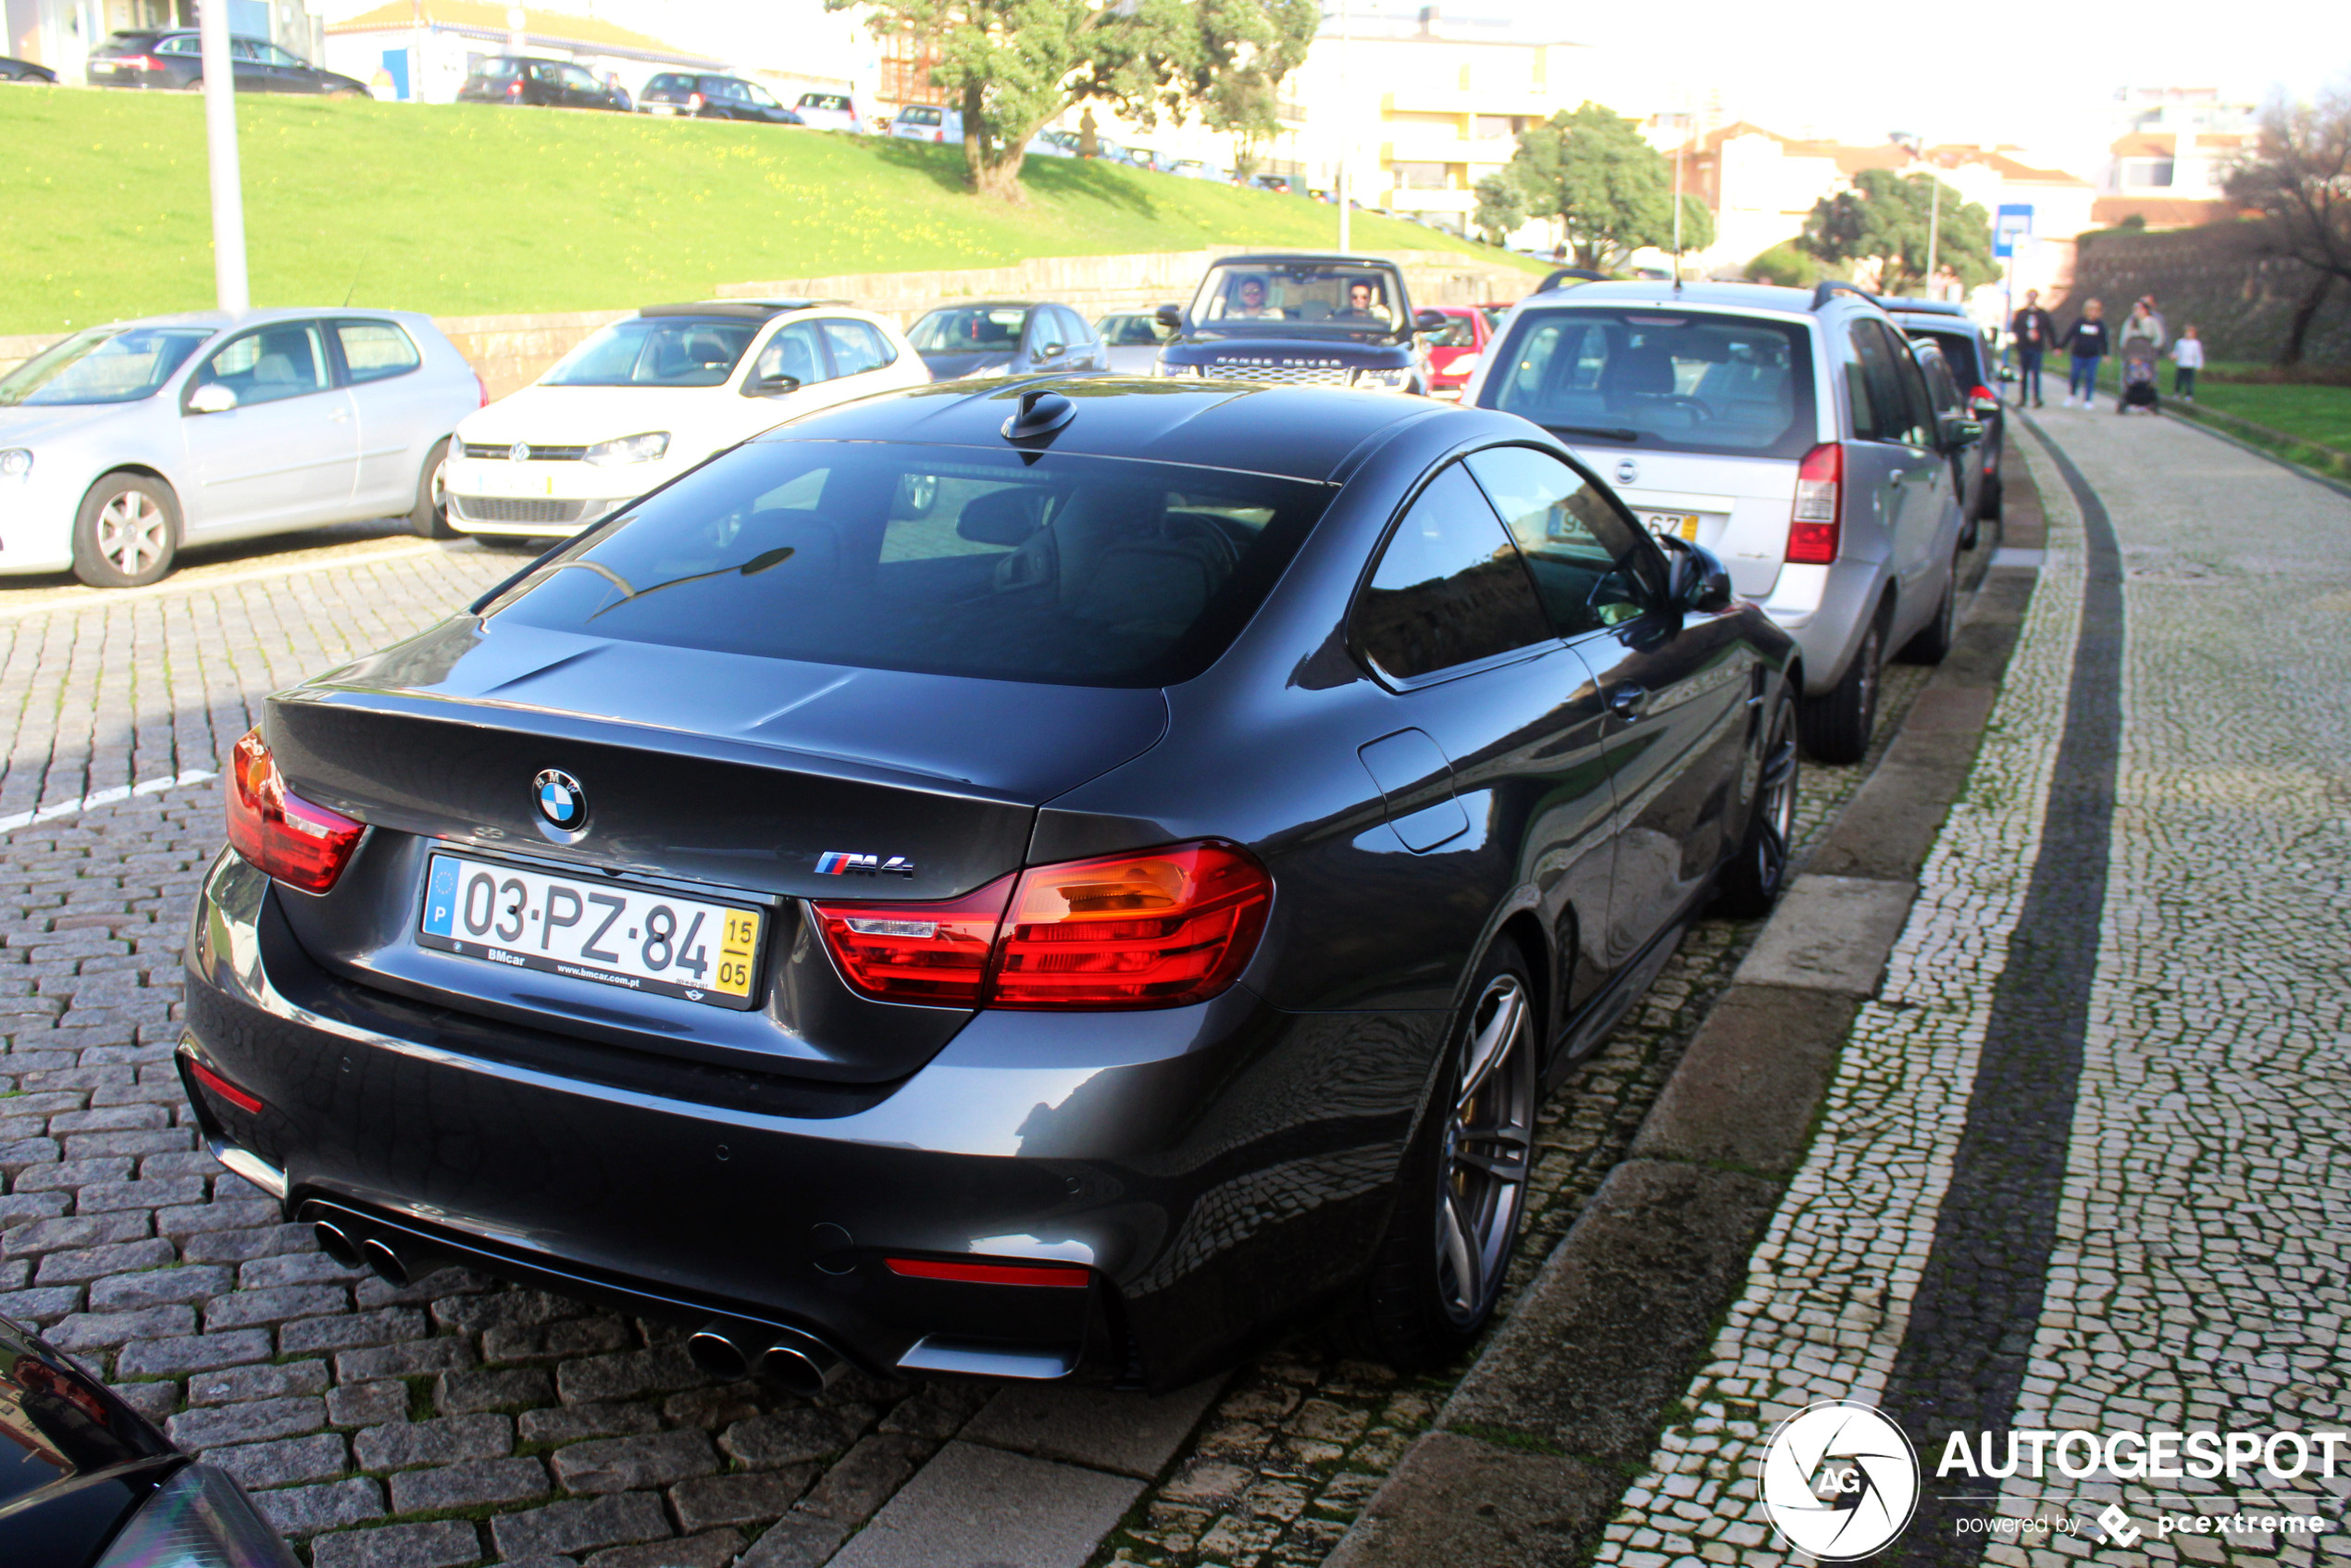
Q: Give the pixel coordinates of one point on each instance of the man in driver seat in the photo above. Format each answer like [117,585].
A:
[1363,304]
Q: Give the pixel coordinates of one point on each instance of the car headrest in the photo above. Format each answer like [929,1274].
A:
[1004,517]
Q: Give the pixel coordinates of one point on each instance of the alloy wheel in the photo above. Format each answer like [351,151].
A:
[1775,813]
[132,532]
[1488,1145]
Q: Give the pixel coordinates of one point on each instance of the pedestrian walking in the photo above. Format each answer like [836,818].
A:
[2144,326]
[2032,331]
[2088,342]
[2155,317]
[2187,357]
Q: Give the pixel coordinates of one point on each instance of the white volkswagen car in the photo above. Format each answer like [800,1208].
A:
[125,442]
[645,399]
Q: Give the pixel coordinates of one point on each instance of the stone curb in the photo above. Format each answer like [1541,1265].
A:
[1528,1458]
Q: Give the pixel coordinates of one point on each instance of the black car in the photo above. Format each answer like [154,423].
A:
[1006,338]
[713,98]
[1950,328]
[89,1481]
[1302,321]
[24,70]
[1971,475]
[978,881]
[550,84]
[174,58]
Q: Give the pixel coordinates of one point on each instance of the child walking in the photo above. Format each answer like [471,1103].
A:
[2187,356]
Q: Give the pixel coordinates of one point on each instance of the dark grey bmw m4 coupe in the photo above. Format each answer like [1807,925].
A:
[985,882]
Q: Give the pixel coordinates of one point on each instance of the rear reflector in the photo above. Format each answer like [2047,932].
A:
[1061,1276]
[302,845]
[1814,524]
[248,1103]
[1160,928]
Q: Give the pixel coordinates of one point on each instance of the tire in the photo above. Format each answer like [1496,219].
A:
[1835,726]
[430,518]
[1989,508]
[126,533]
[1931,643]
[1750,883]
[1461,1190]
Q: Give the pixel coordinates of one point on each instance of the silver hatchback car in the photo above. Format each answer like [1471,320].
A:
[125,442]
[1795,435]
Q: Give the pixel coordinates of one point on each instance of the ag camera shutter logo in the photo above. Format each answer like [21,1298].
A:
[1840,1480]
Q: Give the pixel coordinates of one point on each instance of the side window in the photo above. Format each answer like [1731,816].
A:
[242,49]
[855,346]
[374,349]
[1584,554]
[1074,325]
[1921,430]
[283,361]
[1946,390]
[793,352]
[578,80]
[1880,399]
[1449,588]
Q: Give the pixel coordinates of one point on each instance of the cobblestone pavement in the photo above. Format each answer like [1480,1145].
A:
[461,1421]
[2190,1123]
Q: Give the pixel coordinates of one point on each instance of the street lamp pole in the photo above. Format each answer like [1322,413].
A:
[220,147]
[1934,225]
[1346,53]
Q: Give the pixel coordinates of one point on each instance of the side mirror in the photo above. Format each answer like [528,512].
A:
[211,398]
[2007,373]
[772,386]
[1170,315]
[1958,430]
[1053,351]
[1697,583]
[1430,321]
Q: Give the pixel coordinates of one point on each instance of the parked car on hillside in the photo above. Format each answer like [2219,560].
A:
[675,94]
[1006,338]
[1949,328]
[24,70]
[1133,341]
[92,1482]
[1302,321]
[927,122]
[1115,873]
[1794,434]
[153,57]
[123,443]
[829,111]
[647,398]
[523,80]
[1453,352]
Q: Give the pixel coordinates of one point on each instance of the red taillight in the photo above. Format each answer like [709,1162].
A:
[144,62]
[694,102]
[1819,490]
[302,845]
[1157,930]
[1983,394]
[484,388]
[514,89]
[1060,1276]
[248,1103]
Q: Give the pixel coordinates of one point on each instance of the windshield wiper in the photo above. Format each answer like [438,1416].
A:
[1607,432]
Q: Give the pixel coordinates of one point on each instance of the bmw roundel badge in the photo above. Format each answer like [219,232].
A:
[1627,471]
[561,799]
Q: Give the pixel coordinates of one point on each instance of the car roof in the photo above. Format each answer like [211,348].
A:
[986,304]
[227,319]
[747,310]
[1899,302]
[1294,433]
[1751,297]
[1335,259]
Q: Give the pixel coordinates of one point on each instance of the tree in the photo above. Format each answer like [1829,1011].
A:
[1012,66]
[2298,175]
[1610,190]
[1885,218]
[1501,208]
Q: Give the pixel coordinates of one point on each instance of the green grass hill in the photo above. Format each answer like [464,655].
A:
[464,210]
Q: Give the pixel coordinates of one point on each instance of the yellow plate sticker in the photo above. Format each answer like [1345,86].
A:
[737,945]
[1682,523]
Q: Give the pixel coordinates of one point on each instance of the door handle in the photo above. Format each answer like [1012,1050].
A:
[1895,475]
[1628,702]
[340,416]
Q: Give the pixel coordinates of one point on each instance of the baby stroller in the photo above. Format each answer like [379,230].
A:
[2138,379]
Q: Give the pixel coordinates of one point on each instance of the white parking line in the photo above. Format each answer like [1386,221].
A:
[103,797]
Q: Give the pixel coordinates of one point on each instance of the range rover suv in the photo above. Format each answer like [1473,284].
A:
[1302,321]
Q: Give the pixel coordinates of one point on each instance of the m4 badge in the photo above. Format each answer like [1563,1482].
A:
[840,862]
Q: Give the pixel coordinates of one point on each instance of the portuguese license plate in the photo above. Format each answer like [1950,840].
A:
[611,932]
[1682,524]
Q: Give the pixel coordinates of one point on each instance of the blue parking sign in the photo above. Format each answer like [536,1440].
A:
[2011,224]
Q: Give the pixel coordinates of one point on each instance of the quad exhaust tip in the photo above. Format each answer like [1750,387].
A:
[802,1363]
[373,1253]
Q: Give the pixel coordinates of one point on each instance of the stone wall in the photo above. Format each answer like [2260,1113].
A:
[2223,277]
[508,352]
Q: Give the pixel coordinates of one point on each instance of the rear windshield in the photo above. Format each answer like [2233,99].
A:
[963,328]
[823,101]
[1961,348]
[1074,571]
[1681,381]
[673,351]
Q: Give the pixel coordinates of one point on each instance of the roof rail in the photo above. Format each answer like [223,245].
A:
[1832,286]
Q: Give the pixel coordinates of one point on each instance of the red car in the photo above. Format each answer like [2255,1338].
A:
[1453,352]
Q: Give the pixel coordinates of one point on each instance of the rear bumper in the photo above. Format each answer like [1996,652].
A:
[1826,610]
[1215,1167]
